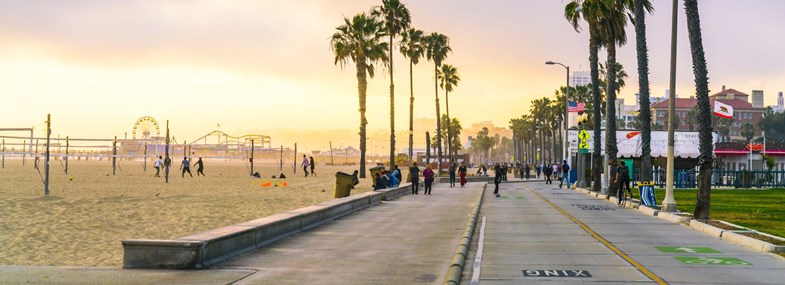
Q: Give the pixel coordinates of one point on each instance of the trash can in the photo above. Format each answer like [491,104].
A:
[343,184]
[374,170]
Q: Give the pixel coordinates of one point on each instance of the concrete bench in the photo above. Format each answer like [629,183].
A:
[204,249]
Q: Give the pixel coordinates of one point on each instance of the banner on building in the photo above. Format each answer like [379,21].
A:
[629,143]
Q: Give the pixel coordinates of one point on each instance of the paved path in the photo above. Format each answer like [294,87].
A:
[524,236]
[405,241]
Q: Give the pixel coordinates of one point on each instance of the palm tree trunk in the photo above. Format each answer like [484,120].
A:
[392,107]
[411,111]
[449,124]
[610,118]
[643,86]
[362,87]
[596,167]
[703,203]
[438,121]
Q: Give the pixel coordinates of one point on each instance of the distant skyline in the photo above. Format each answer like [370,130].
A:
[97,66]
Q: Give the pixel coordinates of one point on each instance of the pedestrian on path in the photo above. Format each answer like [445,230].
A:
[497,179]
[452,173]
[200,167]
[428,174]
[555,170]
[547,171]
[565,175]
[158,163]
[462,174]
[313,165]
[414,175]
[305,165]
[538,169]
[526,169]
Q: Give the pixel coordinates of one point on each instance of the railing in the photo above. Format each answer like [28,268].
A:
[687,178]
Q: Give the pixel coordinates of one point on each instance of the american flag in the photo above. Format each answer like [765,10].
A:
[575,107]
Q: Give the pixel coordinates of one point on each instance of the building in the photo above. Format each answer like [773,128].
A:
[780,107]
[743,112]
[757,99]
[580,78]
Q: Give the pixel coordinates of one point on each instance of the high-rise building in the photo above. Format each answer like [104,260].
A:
[580,78]
[780,106]
[757,99]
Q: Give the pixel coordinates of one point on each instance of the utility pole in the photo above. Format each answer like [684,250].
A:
[46,160]
[167,160]
[252,148]
[294,163]
[114,154]
[66,155]
[669,204]
[331,154]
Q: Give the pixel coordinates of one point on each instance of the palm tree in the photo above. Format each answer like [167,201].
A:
[395,19]
[703,203]
[412,47]
[613,22]
[437,48]
[448,78]
[591,11]
[360,40]
[641,7]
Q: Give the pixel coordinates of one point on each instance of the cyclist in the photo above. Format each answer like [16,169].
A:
[623,180]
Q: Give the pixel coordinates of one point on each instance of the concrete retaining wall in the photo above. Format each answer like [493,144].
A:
[207,248]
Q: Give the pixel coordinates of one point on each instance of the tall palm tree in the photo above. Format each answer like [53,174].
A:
[437,48]
[412,47]
[613,22]
[395,18]
[641,7]
[360,40]
[448,78]
[591,12]
[703,203]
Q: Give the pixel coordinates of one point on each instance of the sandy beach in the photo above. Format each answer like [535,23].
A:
[82,221]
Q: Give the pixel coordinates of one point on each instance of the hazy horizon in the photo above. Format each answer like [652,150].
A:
[98,66]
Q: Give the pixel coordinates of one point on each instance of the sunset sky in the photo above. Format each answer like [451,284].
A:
[266,66]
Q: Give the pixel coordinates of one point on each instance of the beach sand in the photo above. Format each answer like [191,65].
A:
[82,221]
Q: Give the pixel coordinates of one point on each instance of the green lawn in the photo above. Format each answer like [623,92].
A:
[762,210]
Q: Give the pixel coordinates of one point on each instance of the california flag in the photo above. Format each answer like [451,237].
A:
[723,110]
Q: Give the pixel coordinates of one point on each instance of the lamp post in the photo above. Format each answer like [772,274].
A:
[566,153]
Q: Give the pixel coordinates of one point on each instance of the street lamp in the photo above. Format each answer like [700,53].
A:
[566,154]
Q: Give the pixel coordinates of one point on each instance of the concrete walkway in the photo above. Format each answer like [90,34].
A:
[525,239]
[404,241]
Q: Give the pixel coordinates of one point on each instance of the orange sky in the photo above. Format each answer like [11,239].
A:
[266,66]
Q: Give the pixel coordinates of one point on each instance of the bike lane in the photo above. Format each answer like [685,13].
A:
[539,233]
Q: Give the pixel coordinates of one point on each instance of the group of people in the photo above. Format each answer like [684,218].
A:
[185,166]
[387,179]
[461,172]
[427,174]
[308,163]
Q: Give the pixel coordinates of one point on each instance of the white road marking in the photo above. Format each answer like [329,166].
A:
[478,258]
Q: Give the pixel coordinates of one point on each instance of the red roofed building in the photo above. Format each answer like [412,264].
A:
[743,112]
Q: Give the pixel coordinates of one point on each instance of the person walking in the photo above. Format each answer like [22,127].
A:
[623,180]
[565,174]
[158,164]
[305,165]
[547,171]
[497,179]
[452,173]
[555,170]
[537,170]
[462,174]
[414,174]
[527,169]
[428,174]
[200,167]
[313,165]
[185,165]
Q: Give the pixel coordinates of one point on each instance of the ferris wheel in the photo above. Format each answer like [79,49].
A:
[144,126]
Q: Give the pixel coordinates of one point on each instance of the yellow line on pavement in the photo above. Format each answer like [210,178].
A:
[615,249]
